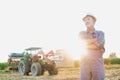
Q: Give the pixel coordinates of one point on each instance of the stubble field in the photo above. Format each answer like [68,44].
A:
[111,73]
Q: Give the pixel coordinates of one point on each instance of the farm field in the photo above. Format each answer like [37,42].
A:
[112,72]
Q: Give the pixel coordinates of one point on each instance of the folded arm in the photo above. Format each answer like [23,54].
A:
[95,43]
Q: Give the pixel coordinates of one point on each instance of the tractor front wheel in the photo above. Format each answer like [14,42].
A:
[23,68]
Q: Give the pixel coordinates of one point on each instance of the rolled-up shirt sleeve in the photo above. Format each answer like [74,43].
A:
[101,39]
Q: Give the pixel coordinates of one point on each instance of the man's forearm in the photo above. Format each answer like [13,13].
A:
[93,47]
[91,41]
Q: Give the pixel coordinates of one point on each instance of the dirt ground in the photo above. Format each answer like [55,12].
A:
[64,74]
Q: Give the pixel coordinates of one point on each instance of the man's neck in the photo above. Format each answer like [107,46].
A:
[90,29]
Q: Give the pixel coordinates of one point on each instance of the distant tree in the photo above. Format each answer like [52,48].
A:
[112,55]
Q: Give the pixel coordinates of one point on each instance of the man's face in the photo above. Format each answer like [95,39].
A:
[89,21]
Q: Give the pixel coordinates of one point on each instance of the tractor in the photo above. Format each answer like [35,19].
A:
[36,62]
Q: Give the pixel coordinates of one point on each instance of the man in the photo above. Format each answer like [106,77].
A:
[92,64]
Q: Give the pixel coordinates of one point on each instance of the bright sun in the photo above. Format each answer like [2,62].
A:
[76,50]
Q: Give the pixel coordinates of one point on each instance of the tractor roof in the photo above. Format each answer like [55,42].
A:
[33,48]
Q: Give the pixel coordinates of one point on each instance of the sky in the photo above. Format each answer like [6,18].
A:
[55,24]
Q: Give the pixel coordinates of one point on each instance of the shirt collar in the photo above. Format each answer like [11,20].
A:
[92,32]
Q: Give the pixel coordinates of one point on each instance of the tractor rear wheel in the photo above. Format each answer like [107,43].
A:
[36,69]
[53,70]
[42,72]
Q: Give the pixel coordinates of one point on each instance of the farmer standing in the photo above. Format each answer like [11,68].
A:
[92,64]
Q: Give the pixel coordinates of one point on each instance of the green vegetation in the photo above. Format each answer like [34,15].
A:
[112,60]
[3,66]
